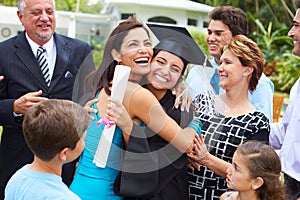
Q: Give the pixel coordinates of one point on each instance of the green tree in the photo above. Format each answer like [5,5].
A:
[200,39]
[269,40]
[66,5]
[84,6]
[277,11]
[285,72]
[9,2]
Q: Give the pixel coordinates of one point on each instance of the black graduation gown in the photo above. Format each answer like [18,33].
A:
[168,177]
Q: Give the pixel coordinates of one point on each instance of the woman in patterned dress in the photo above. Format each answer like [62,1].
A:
[241,65]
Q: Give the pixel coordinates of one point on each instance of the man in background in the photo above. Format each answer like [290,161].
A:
[285,134]
[38,64]
[225,23]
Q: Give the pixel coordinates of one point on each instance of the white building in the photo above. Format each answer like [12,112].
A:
[80,25]
[179,12]
[97,27]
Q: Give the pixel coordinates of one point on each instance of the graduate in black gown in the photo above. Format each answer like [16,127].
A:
[152,168]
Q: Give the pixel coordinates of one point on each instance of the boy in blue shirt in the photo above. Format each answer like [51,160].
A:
[54,130]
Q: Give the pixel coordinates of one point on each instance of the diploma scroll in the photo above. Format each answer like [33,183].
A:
[120,80]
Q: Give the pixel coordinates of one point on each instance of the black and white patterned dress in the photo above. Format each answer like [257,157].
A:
[222,135]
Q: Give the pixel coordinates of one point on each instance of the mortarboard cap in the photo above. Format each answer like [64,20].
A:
[177,40]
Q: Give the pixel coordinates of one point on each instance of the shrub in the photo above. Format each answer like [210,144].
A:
[284,71]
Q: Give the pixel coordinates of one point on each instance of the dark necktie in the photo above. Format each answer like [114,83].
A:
[43,64]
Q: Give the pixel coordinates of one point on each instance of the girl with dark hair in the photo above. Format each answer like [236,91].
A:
[254,173]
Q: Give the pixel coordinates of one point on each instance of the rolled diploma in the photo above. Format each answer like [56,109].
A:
[120,80]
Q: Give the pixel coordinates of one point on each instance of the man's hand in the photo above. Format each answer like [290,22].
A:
[24,103]
[1,78]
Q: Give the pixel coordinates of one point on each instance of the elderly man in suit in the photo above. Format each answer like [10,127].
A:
[37,64]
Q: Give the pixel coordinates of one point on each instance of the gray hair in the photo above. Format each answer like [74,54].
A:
[22,6]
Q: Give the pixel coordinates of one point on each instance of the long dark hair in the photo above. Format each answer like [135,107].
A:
[102,77]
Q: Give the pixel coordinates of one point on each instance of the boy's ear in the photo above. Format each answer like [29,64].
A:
[116,55]
[63,154]
[257,183]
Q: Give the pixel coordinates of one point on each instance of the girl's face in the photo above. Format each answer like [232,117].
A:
[136,51]
[166,69]
[238,175]
[231,71]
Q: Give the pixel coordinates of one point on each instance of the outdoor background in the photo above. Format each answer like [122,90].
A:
[269,23]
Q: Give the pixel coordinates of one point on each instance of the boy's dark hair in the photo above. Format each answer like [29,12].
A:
[52,125]
[234,18]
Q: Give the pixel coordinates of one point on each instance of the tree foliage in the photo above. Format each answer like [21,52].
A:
[269,22]
[66,5]
[276,11]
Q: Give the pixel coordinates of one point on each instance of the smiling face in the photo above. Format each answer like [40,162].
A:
[218,33]
[38,20]
[166,69]
[231,71]
[136,52]
[295,33]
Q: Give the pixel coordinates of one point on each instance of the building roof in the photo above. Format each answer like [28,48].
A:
[175,4]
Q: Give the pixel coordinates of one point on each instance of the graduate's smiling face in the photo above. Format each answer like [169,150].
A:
[166,69]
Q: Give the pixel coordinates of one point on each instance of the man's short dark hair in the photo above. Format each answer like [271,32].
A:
[234,18]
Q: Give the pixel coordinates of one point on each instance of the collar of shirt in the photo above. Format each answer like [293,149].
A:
[34,46]
[214,63]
